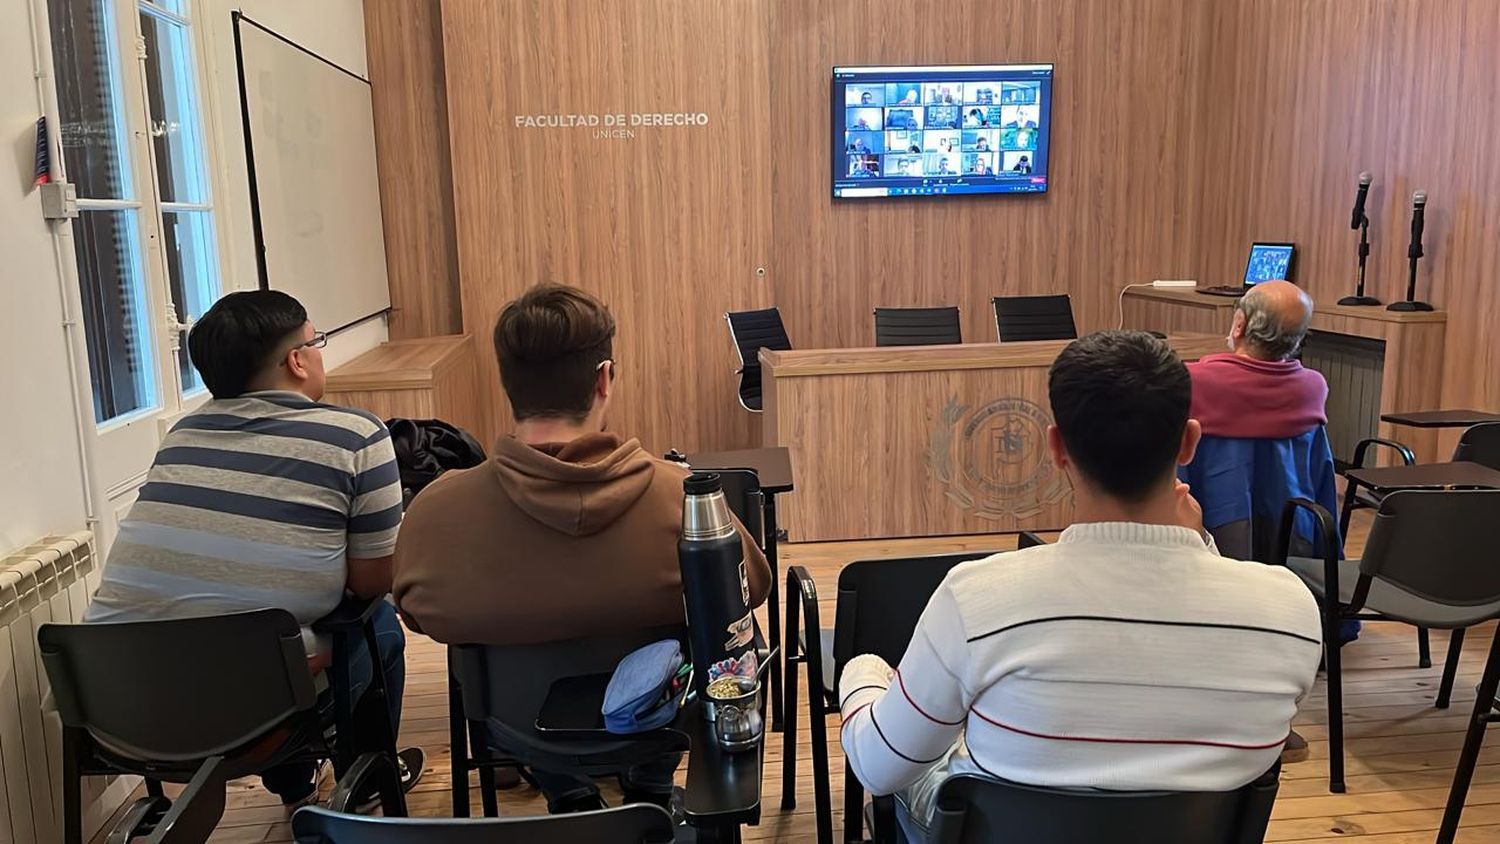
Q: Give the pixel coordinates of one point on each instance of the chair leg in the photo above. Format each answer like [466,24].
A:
[1335,680]
[789,706]
[1450,667]
[458,750]
[1473,741]
[818,729]
[854,807]
[1347,512]
[153,788]
[768,522]
[72,786]
[479,747]
[1424,648]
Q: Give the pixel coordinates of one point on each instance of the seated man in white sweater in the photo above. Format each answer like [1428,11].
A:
[1129,655]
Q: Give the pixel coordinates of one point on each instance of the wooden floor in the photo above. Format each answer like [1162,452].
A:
[1401,751]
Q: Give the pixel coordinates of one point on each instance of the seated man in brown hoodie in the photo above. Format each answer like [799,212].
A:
[568,531]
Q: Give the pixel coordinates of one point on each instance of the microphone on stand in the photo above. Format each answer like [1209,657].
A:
[1358,220]
[1413,253]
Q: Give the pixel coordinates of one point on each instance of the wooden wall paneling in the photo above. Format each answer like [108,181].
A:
[668,225]
[424,378]
[404,42]
[1304,96]
[1127,136]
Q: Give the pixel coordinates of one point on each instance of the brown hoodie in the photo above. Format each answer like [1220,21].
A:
[547,543]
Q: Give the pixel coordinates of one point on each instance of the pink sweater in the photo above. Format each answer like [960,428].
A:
[1237,396]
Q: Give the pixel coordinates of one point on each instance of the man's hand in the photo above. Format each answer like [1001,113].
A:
[1189,511]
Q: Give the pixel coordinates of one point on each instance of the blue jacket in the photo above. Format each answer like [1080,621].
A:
[1250,480]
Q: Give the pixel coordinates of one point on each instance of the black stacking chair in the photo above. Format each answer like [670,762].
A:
[879,603]
[635,824]
[972,809]
[1480,444]
[751,332]
[502,689]
[1427,563]
[917,327]
[206,700]
[1034,318]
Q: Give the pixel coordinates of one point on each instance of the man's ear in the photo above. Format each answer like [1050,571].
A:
[604,380]
[1192,434]
[1057,449]
[295,365]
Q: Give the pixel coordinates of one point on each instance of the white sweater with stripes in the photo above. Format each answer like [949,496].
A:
[1125,656]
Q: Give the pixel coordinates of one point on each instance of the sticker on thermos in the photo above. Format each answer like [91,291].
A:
[744,584]
[740,633]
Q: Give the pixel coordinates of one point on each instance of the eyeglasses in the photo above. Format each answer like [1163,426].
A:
[614,367]
[318,341]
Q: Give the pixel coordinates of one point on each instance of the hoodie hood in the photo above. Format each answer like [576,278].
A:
[577,488]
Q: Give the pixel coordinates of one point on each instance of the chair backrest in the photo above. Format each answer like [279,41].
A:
[917,326]
[1437,544]
[179,690]
[1480,444]
[506,685]
[880,601]
[1034,318]
[751,332]
[979,809]
[1026,539]
[639,823]
[746,501]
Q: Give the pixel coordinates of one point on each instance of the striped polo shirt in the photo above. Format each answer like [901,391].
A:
[254,502]
[1125,656]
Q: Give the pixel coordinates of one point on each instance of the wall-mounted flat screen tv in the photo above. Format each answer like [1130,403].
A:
[940,130]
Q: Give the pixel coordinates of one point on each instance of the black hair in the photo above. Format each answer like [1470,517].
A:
[1120,399]
[242,335]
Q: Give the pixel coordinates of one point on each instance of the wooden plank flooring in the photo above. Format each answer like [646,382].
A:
[1400,750]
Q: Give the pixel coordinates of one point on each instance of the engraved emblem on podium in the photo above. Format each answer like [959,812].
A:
[993,460]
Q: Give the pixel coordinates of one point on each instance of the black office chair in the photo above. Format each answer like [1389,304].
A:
[972,809]
[1427,563]
[1034,318]
[917,327]
[879,603]
[1480,444]
[634,824]
[206,700]
[500,690]
[752,331]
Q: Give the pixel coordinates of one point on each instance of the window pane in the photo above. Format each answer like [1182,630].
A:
[115,312]
[176,7]
[92,134]
[176,132]
[188,237]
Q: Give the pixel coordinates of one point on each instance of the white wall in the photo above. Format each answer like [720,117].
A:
[40,490]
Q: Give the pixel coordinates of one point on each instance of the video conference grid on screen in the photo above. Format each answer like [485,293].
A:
[1268,262]
[940,130]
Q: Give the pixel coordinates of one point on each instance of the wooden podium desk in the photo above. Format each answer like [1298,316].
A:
[1376,361]
[427,378]
[920,440]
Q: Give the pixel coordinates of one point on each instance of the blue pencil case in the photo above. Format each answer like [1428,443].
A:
[641,695]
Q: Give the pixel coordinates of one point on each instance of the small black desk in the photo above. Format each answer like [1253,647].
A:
[1440,418]
[1425,476]
[773,469]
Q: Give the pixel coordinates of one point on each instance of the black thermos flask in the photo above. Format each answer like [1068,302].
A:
[715,588]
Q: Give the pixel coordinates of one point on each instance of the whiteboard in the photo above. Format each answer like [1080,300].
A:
[310,141]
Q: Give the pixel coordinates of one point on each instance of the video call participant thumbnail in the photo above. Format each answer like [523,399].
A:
[1018,117]
[942,117]
[903,118]
[977,117]
[864,95]
[903,93]
[1017,163]
[1018,93]
[945,93]
[979,163]
[980,93]
[903,140]
[980,140]
[1018,139]
[942,164]
[945,140]
[864,120]
[864,166]
[860,143]
[903,165]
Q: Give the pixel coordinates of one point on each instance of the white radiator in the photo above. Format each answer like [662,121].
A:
[50,581]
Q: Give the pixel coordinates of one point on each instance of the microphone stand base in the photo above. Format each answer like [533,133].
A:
[1359,300]
[1408,306]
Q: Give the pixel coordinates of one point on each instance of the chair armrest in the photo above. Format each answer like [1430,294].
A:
[1328,531]
[802,591]
[1364,445]
[197,810]
[348,617]
[370,769]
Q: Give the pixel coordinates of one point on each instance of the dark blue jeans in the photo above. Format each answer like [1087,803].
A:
[294,781]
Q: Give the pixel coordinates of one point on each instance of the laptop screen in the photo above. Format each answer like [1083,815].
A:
[1268,262]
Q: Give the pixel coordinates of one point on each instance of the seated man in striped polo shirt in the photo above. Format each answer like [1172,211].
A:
[1129,655]
[264,497]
